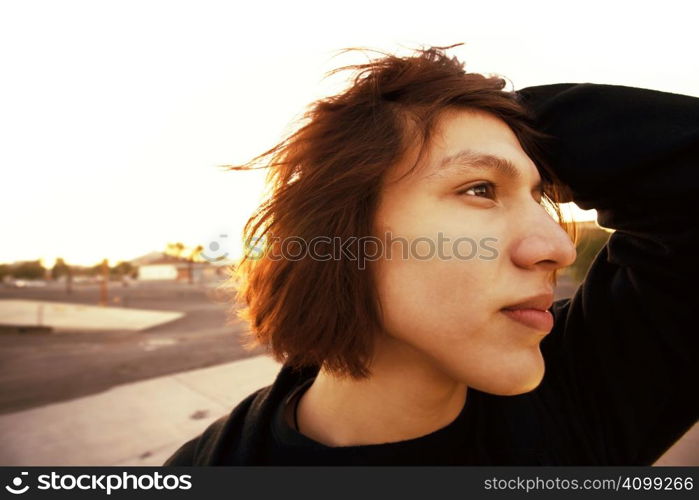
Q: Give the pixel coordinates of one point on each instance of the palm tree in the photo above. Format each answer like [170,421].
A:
[175,249]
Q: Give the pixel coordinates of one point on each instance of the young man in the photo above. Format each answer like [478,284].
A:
[429,353]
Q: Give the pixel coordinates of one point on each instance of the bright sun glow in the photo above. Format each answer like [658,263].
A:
[570,211]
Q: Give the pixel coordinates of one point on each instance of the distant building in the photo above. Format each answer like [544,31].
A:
[151,272]
[157,266]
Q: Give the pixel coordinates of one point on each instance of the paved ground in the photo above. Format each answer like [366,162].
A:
[38,369]
[69,317]
[141,423]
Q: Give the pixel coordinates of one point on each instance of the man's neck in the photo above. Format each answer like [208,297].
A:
[405,397]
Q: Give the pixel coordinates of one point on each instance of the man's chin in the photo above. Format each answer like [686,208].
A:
[513,383]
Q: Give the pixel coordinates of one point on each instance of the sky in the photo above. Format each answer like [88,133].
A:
[115,115]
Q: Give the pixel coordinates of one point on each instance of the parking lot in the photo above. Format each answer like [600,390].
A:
[38,369]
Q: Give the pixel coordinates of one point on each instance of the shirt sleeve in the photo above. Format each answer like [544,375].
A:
[623,351]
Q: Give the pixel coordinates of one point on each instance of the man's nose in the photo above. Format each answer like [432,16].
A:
[543,244]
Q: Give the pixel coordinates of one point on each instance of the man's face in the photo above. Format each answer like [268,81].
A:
[499,247]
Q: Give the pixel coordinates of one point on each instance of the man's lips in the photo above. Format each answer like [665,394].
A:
[533,318]
[542,301]
[533,311]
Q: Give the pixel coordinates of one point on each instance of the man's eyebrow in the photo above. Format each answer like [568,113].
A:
[469,159]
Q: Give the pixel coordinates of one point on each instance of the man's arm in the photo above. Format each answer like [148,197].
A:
[624,349]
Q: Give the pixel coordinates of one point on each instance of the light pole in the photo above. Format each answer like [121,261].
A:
[103,288]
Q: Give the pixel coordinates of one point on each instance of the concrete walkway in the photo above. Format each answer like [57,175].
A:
[76,317]
[143,423]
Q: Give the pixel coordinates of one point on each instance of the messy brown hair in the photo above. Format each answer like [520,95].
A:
[325,179]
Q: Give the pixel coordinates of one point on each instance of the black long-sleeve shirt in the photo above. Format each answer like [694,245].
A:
[620,384]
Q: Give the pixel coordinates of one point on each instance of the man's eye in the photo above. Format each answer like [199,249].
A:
[484,189]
